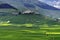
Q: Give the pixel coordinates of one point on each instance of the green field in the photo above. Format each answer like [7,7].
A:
[29,27]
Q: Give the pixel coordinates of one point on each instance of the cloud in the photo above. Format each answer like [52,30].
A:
[54,3]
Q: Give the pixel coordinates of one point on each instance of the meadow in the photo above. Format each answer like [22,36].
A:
[28,27]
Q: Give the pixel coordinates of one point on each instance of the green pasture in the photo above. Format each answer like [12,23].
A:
[28,27]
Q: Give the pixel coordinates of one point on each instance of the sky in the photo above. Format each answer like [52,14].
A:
[54,3]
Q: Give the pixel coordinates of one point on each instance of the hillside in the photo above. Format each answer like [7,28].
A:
[28,27]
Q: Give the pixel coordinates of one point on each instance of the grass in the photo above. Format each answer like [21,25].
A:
[28,27]
[13,34]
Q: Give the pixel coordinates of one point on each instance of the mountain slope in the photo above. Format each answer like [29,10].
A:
[36,6]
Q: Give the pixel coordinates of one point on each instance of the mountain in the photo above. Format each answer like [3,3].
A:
[36,6]
[29,4]
[5,5]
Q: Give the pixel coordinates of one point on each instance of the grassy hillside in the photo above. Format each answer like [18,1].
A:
[28,27]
